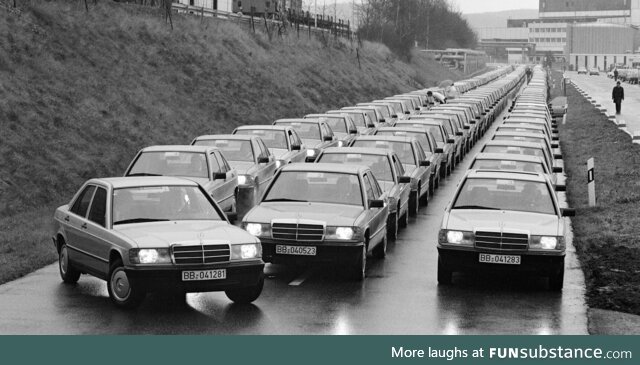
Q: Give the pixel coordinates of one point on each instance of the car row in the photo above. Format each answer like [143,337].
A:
[505,216]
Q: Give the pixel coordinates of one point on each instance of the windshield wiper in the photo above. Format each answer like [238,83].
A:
[285,200]
[475,207]
[140,220]
[144,174]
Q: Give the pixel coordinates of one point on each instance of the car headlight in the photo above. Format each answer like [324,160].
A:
[341,233]
[246,252]
[255,229]
[546,243]
[340,144]
[150,256]
[311,152]
[279,164]
[245,180]
[452,237]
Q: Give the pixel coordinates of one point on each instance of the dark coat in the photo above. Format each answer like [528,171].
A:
[617,94]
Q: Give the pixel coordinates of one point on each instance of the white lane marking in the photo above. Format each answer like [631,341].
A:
[300,279]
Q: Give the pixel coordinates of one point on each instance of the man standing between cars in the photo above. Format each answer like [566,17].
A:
[615,74]
[618,96]
[430,99]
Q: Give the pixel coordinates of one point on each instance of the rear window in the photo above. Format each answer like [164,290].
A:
[404,150]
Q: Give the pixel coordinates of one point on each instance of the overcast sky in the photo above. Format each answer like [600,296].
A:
[483,6]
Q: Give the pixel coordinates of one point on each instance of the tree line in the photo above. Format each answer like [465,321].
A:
[402,24]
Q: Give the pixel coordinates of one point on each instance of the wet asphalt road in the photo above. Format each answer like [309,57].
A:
[399,296]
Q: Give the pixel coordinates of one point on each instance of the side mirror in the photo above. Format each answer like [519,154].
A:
[554,130]
[467,127]
[554,145]
[568,212]
[555,138]
[219,176]
[459,134]
[353,131]
[376,203]
[382,120]
[473,121]
[263,159]
[404,180]
[418,109]
[561,188]
[439,150]
[407,112]
[425,163]
[394,116]
[327,138]
[296,147]
[557,156]
[557,170]
[371,125]
[451,140]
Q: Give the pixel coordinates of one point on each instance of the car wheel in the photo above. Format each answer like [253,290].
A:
[246,295]
[404,219]
[432,185]
[357,272]
[414,203]
[556,280]
[67,272]
[424,199]
[380,251]
[445,274]
[122,291]
[392,226]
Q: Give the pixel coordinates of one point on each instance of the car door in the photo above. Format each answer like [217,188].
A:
[425,171]
[294,140]
[378,216]
[225,189]
[326,131]
[265,171]
[76,225]
[98,244]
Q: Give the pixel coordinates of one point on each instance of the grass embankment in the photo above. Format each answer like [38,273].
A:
[81,92]
[605,236]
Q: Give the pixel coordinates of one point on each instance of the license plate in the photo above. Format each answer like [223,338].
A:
[499,259]
[197,275]
[296,250]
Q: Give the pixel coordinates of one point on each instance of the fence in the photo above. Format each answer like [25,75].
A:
[300,21]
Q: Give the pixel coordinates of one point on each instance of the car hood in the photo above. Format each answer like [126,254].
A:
[312,143]
[331,214]
[408,169]
[386,186]
[163,234]
[500,220]
[241,166]
[278,152]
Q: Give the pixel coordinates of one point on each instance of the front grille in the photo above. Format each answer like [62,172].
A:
[200,254]
[502,241]
[297,232]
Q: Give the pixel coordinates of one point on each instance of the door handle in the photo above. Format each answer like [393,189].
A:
[83,226]
[66,218]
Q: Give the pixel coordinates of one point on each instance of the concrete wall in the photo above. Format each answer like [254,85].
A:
[600,38]
[601,61]
[550,6]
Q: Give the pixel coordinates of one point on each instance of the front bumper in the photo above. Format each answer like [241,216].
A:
[154,279]
[459,260]
[341,253]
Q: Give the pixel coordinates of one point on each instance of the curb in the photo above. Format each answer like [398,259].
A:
[607,322]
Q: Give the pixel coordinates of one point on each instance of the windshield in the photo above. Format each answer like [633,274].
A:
[319,187]
[337,124]
[306,130]
[404,150]
[188,164]
[233,150]
[533,129]
[272,138]
[379,164]
[358,118]
[515,150]
[161,203]
[436,131]
[519,138]
[421,137]
[507,165]
[500,194]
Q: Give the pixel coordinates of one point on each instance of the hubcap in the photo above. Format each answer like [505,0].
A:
[120,284]
[64,260]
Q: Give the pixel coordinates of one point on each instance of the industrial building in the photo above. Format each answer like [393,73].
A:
[591,30]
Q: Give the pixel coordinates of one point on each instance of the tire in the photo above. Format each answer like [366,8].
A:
[445,275]
[68,273]
[123,292]
[404,219]
[432,185]
[358,271]
[392,226]
[556,280]
[246,295]
[380,251]
[424,200]
[414,203]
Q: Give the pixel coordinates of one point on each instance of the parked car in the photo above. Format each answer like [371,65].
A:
[205,165]
[148,234]
[505,222]
[341,125]
[388,170]
[582,71]
[513,162]
[322,213]
[282,141]
[316,134]
[255,164]
[594,72]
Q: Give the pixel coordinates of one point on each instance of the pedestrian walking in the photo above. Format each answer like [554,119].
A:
[615,74]
[618,96]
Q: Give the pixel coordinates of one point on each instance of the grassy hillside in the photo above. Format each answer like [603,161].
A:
[81,92]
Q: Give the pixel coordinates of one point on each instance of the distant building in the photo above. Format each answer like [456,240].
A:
[549,32]
[246,6]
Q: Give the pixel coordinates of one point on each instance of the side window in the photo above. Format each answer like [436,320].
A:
[369,187]
[215,165]
[376,188]
[97,213]
[81,204]
[421,155]
[399,167]
[264,150]
[291,138]
[326,131]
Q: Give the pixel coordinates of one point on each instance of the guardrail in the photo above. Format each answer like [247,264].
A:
[300,22]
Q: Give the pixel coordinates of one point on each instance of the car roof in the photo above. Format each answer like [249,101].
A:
[263,127]
[179,148]
[386,138]
[507,175]
[299,120]
[403,128]
[142,181]
[358,150]
[508,157]
[512,133]
[238,137]
[507,142]
[325,167]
